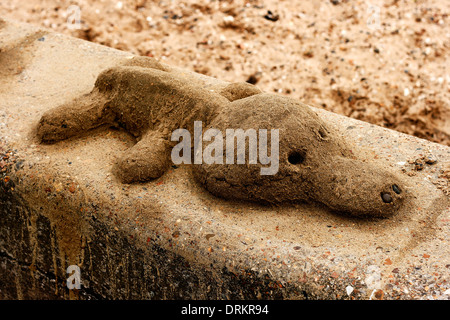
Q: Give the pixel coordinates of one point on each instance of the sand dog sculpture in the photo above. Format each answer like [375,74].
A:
[150,101]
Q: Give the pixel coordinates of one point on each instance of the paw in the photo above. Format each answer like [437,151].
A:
[146,160]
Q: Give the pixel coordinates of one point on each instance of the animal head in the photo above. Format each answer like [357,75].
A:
[314,163]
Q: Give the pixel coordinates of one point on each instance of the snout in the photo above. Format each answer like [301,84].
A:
[360,188]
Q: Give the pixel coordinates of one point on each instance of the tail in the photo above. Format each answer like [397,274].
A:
[81,114]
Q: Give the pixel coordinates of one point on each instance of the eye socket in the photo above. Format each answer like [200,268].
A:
[296,157]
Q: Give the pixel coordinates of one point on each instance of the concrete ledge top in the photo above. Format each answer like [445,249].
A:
[300,250]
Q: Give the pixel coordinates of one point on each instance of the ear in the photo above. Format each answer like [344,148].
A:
[144,62]
[239,90]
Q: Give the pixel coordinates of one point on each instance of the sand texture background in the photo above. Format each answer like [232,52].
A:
[384,62]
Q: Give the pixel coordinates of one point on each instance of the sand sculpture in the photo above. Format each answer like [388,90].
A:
[150,101]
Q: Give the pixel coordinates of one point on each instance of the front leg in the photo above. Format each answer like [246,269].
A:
[148,159]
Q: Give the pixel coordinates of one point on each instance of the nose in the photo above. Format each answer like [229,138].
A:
[387,197]
[359,188]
